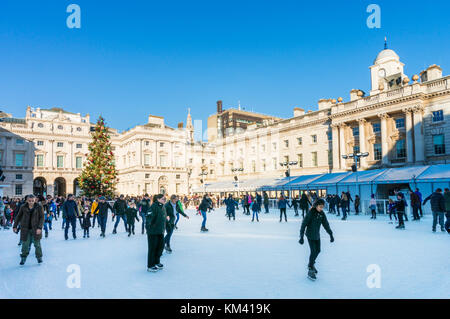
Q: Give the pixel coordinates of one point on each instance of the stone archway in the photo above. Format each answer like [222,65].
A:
[59,187]
[163,184]
[40,186]
[76,187]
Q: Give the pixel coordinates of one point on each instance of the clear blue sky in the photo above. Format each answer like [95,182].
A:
[134,58]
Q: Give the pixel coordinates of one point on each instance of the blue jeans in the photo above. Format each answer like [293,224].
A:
[70,222]
[64,222]
[118,218]
[255,212]
[204,218]
[102,222]
[143,222]
[178,218]
[438,216]
[168,235]
[266,207]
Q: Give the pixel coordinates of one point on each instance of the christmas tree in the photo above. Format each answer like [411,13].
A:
[99,176]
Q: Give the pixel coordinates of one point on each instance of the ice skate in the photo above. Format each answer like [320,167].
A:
[152,269]
[311,274]
[168,249]
[23,260]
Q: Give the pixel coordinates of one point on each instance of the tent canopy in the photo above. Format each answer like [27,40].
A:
[436,173]
[400,175]
[328,180]
[364,177]
[408,174]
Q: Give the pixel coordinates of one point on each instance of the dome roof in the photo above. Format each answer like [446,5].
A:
[385,55]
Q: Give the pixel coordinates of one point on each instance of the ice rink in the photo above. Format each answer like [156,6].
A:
[236,259]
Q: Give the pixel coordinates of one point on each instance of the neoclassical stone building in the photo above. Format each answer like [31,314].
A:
[44,153]
[399,122]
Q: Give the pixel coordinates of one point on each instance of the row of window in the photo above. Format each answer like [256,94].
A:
[60,127]
[59,161]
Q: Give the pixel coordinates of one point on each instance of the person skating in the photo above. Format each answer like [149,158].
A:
[231,205]
[171,208]
[102,209]
[143,208]
[70,214]
[295,203]
[30,218]
[415,203]
[180,207]
[437,202]
[357,204]
[373,206]
[204,205]
[391,210]
[304,203]
[400,207]
[282,203]
[344,205]
[119,208]
[311,225]
[86,216]
[266,202]
[131,214]
[255,210]
[155,224]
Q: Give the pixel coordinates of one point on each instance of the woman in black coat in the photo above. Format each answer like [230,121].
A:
[155,223]
[304,204]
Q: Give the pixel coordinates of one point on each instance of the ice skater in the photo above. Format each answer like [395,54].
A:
[311,224]
[231,205]
[30,218]
[255,210]
[131,215]
[172,208]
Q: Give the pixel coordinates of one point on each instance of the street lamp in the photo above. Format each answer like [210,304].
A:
[356,157]
[203,173]
[288,164]
[236,178]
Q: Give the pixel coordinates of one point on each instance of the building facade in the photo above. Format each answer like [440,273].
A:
[400,122]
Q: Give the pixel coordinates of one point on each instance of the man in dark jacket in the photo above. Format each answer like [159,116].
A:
[155,223]
[102,209]
[119,209]
[437,202]
[143,207]
[172,208]
[415,203]
[30,218]
[70,214]
[231,205]
[203,207]
[311,224]
[266,202]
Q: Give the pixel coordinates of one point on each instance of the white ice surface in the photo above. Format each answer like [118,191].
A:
[236,259]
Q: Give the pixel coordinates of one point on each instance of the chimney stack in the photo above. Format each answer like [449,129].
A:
[219,107]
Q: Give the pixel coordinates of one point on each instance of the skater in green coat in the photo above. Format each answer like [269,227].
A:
[311,224]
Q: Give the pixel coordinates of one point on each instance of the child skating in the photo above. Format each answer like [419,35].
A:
[311,224]
[131,215]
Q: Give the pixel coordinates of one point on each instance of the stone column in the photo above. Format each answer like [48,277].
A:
[71,166]
[335,143]
[409,135]
[343,150]
[384,141]
[362,141]
[418,134]
[50,160]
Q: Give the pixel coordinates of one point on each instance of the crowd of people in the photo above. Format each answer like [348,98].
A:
[33,216]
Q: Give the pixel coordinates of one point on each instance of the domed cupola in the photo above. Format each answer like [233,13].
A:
[386,71]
